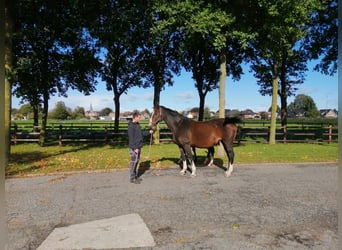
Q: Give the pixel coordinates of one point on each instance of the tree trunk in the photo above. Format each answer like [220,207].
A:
[222,87]
[8,67]
[282,94]
[117,112]
[42,136]
[156,102]
[4,143]
[272,139]
[35,116]
[222,94]
[283,108]
[201,107]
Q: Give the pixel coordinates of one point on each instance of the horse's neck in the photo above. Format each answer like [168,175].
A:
[173,123]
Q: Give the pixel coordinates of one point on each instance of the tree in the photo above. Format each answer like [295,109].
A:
[26,110]
[280,26]
[304,103]
[159,54]
[60,112]
[209,41]
[115,26]
[322,38]
[200,55]
[51,54]
[77,113]
[8,42]
[106,111]
[291,73]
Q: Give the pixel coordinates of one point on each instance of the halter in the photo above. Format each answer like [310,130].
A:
[160,117]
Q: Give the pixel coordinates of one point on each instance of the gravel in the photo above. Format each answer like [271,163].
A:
[262,206]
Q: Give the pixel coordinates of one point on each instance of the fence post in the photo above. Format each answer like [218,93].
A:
[60,135]
[15,133]
[330,134]
[106,134]
[285,134]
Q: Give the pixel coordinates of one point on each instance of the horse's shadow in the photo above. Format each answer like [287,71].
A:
[200,163]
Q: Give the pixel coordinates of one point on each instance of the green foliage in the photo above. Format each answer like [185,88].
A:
[50,54]
[60,112]
[106,111]
[304,103]
[65,44]
[322,39]
[77,113]
[278,61]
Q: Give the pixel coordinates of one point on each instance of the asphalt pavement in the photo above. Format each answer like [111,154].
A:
[262,206]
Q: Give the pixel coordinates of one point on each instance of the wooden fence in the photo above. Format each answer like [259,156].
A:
[105,134]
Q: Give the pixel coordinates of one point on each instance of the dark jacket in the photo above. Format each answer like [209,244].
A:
[135,135]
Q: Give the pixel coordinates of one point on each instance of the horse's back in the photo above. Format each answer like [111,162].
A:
[206,134]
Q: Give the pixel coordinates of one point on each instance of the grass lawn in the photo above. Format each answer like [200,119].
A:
[33,159]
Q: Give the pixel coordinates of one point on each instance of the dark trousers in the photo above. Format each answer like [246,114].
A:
[135,157]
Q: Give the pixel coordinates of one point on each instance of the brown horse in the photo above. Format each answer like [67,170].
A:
[188,133]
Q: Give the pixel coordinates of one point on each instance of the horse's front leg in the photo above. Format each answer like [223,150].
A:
[183,159]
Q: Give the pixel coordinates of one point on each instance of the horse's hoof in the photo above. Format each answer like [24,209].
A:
[182,172]
[227,174]
[193,175]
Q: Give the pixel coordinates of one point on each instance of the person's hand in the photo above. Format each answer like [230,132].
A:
[136,151]
[151,131]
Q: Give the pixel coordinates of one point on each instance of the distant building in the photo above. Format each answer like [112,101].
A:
[191,115]
[92,114]
[248,114]
[329,113]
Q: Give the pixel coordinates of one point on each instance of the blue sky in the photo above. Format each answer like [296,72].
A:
[241,95]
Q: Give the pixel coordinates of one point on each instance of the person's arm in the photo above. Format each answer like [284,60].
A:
[147,132]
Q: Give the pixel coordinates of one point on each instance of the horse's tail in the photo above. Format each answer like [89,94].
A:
[231,120]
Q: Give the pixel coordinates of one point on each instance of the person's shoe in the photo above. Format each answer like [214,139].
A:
[135,181]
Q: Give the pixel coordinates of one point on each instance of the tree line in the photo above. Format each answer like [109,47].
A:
[302,105]
[54,46]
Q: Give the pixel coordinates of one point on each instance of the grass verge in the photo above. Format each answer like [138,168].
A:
[33,159]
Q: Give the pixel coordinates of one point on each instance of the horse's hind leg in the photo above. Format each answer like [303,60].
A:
[210,157]
[231,162]
[194,151]
[230,152]
[211,152]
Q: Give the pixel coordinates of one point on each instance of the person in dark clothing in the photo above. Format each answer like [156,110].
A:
[135,143]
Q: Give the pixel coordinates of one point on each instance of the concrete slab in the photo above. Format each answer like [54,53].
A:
[125,231]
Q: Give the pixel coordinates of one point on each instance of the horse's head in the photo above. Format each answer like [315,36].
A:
[156,117]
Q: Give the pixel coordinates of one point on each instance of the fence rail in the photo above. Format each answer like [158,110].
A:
[102,133]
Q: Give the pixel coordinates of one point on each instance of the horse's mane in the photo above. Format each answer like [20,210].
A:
[171,112]
[175,114]
[231,120]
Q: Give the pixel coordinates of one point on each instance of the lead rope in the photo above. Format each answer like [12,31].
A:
[149,148]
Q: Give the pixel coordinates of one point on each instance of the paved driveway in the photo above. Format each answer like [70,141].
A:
[264,206]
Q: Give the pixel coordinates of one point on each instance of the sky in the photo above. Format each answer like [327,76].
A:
[182,96]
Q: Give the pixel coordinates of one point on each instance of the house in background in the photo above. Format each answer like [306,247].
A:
[329,113]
